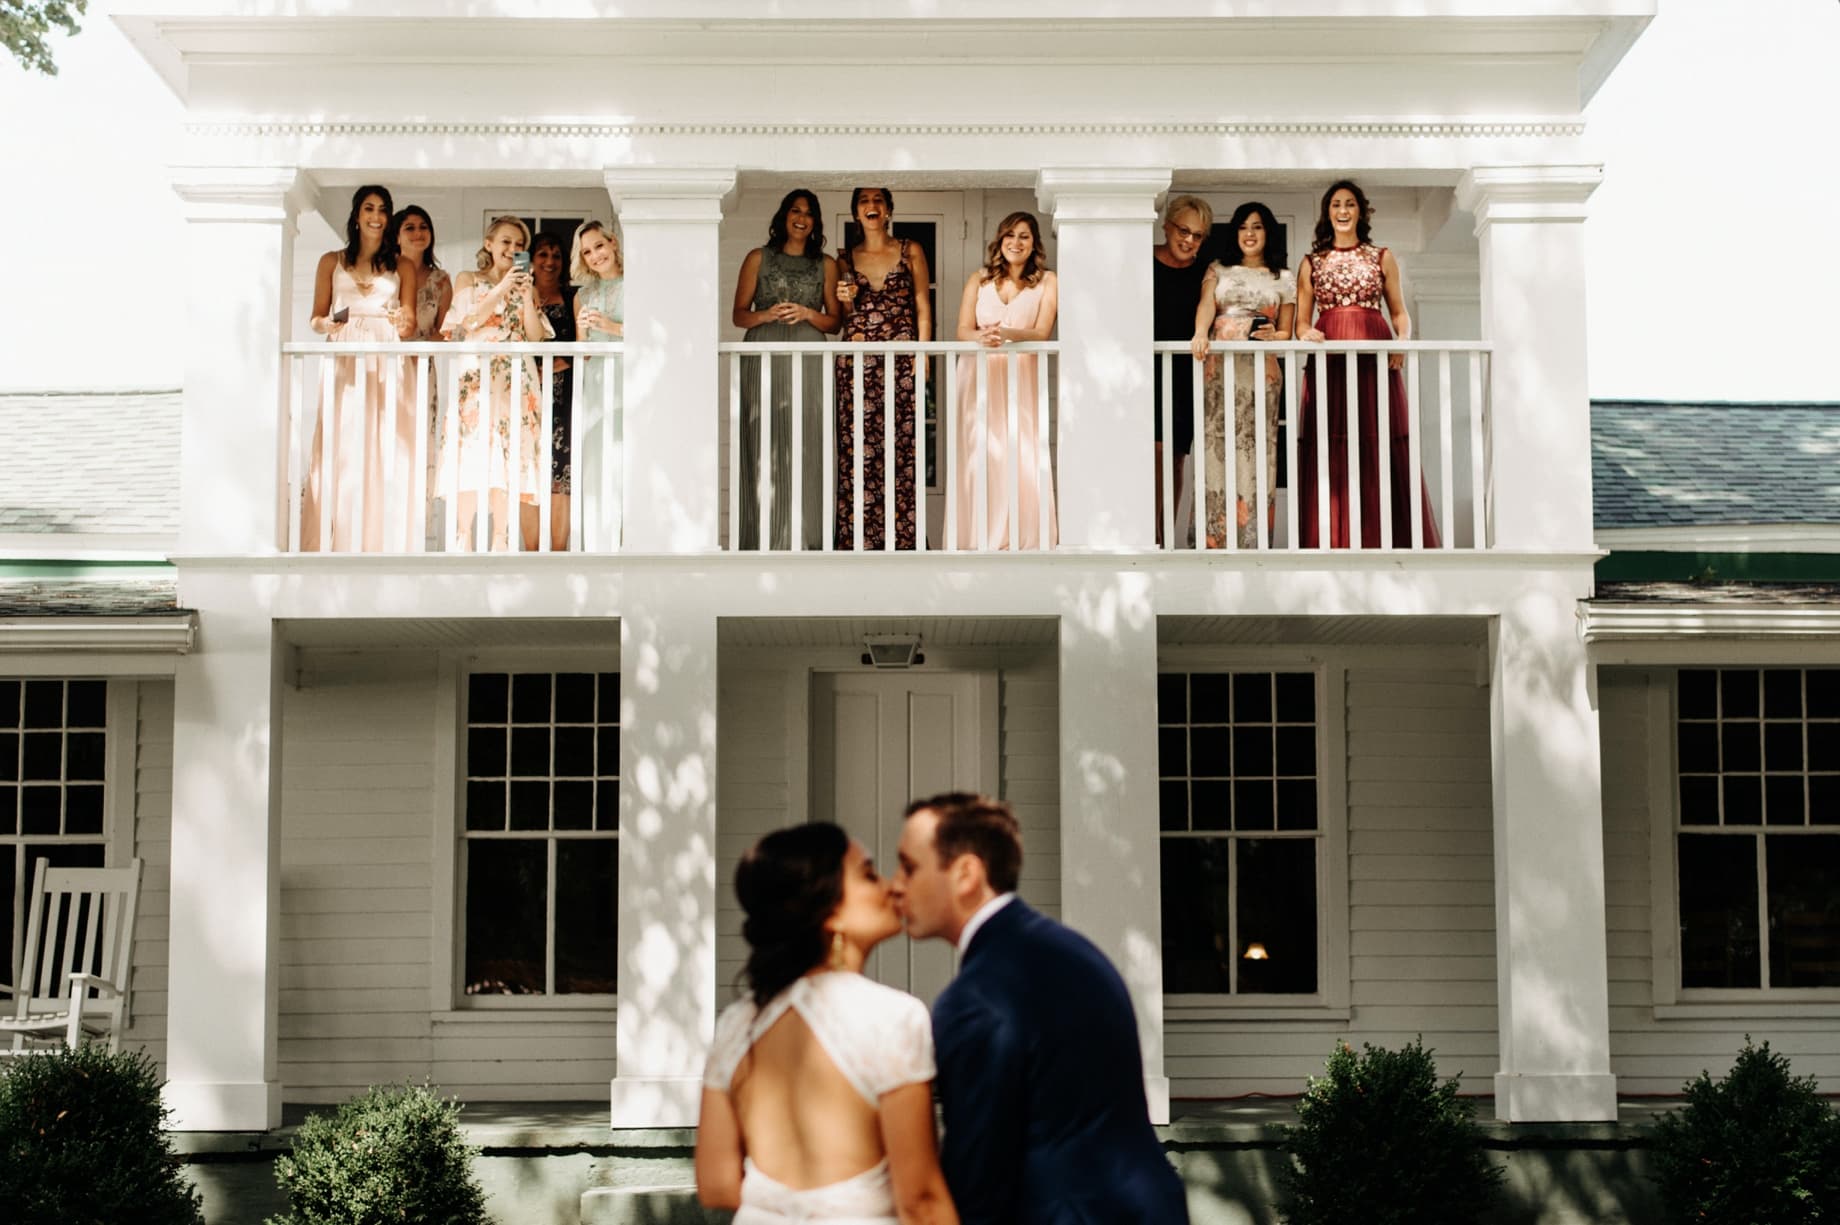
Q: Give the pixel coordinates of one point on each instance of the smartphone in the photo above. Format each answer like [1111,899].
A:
[1258,321]
[342,314]
[520,262]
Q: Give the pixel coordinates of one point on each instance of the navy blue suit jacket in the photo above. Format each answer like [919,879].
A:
[1042,1083]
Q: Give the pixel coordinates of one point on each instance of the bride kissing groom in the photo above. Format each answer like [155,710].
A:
[818,1098]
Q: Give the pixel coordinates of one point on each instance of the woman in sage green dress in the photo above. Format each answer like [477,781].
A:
[596,270]
[787,291]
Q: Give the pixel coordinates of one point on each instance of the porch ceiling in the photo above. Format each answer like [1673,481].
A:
[452,632]
[850,631]
[1321,631]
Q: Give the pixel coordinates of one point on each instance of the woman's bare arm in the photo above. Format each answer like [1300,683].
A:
[719,1150]
[322,294]
[920,1194]
[923,301]
[1204,315]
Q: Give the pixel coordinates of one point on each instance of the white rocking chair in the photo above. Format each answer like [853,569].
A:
[78,953]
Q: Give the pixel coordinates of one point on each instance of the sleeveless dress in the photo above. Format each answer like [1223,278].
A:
[785,278]
[990,440]
[1350,289]
[347,462]
[1239,294]
[879,1039]
[881,314]
[484,411]
[429,286]
[598,453]
[561,316]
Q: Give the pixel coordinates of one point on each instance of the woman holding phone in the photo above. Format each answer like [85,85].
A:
[497,305]
[556,299]
[358,294]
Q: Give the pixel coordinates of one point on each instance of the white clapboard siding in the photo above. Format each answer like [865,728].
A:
[1650,1054]
[152,816]
[1421,915]
[357,895]
[1029,762]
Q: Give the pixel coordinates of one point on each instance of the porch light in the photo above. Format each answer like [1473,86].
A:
[892,650]
[1255,952]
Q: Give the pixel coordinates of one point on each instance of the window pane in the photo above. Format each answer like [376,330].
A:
[1172,805]
[1196,935]
[574,805]
[507,894]
[1782,693]
[574,752]
[9,816]
[1172,697]
[1740,747]
[1823,693]
[1782,746]
[1824,746]
[530,752]
[485,752]
[44,706]
[1743,799]
[1252,752]
[1699,800]
[1172,752]
[575,697]
[587,916]
[1296,697]
[1297,751]
[607,806]
[1699,697]
[1277,915]
[485,805]
[9,706]
[83,756]
[530,697]
[1738,693]
[1804,877]
[1296,803]
[9,757]
[9,867]
[1253,804]
[530,805]
[486,697]
[1699,746]
[1252,697]
[1209,754]
[1824,799]
[83,810]
[1718,912]
[44,756]
[38,810]
[1212,805]
[86,704]
[1783,800]
[610,697]
[1208,695]
[607,749]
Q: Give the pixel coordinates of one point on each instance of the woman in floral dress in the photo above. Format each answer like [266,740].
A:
[882,291]
[497,305]
[1249,285]
[412,230]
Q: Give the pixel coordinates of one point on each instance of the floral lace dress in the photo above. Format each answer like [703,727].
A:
[486,407]
[1240,293]
[881,314]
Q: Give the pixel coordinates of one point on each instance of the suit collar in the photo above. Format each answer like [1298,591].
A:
[998,927]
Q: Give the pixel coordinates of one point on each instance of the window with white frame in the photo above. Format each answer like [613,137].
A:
[53,750]
[1242,832]
[539,855]
[1757,827]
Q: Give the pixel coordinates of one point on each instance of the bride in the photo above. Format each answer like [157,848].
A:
[818,1099]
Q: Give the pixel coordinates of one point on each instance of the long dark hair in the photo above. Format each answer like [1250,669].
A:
[393,234]
[776,228]
[788,884]
[1325,233]
[996,266]
[385,259]
[1277,258]
[852,232]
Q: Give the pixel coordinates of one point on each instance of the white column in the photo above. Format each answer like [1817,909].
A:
[670,221]
[232,453]
[667,903]
[1529,226]
[1550,943]
[1104,227]
[1111,865]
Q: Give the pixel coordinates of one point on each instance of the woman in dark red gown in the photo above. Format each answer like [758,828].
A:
[1344,283]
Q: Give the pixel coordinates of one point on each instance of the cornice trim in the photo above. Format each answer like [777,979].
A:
[1360,129]
[274,194]
[1527,193]
[98,635]
[1600,622]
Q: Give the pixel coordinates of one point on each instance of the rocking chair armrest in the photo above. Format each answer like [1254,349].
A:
[79,980]
[8,989]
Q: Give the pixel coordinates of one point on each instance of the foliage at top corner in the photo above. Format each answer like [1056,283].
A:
[1381,1140]
[25,24]
[394,1155]
[1759,1147]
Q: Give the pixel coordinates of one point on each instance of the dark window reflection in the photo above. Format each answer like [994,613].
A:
[1804,876]
[1718,911]
[587,916]
[1197,939]
[1277,916]
[507,896]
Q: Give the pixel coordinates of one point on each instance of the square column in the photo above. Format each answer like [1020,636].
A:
[1111,853]
[224,963]
[670,220]
[1104,223]
[667,902]
[1551,954]
[232,448]
[1529,227]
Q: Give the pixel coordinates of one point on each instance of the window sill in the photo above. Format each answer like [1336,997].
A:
[1180,1009]
[558,1014]
[1758,1009]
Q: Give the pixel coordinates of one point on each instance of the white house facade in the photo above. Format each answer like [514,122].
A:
[426,810]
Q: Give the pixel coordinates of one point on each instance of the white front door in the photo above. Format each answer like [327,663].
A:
[880,740]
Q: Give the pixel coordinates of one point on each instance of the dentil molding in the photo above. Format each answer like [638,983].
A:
[1356,129]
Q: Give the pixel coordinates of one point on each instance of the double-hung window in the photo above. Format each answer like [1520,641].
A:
[1757,827]
[539,846]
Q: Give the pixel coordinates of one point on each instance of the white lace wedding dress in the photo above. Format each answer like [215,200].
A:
[879,1038]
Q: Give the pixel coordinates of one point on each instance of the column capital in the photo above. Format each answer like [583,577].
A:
[276,194]
[1100,193]
[1527,193]
[669,193]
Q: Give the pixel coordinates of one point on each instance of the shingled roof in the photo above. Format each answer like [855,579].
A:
[90,464]
[1657,464]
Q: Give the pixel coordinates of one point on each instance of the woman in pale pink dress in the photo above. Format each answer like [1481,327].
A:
[1013,297]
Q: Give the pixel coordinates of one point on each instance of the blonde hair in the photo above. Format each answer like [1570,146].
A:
[483,260]
[579,272]
[1184,204]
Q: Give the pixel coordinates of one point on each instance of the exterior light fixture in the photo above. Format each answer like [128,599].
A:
[892,650]
[1255,952]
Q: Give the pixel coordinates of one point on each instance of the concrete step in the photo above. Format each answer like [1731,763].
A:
[667,1205]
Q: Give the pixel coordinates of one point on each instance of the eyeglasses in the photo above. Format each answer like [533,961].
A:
[1182,231]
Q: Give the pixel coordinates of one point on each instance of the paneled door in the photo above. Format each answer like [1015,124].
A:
[878,741]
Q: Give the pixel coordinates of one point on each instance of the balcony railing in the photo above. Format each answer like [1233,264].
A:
[417,478]
[1310,416]
[982,428]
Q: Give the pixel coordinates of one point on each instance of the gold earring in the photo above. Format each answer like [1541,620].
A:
[837,950]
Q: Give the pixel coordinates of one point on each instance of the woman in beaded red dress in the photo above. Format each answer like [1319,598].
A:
[882,291]
[1341,289]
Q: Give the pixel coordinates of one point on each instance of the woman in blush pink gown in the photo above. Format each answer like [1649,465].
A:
[1344,283]
[1013,297]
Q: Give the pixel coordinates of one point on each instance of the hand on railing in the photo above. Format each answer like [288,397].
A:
[595,321]
[990,336]
[1313,335]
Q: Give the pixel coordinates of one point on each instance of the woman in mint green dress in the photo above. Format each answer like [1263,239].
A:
[600,315]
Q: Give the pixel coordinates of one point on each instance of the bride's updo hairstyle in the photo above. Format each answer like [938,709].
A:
[788,884]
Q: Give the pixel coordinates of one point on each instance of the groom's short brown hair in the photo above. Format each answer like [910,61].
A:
[971,824]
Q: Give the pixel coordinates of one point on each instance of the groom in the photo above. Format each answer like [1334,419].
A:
[1040,1074]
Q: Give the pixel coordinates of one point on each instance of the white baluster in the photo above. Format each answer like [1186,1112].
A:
[856,451]
[579,444]
[1351,412]
[1261,444]
[921,362]
[1383,439]
[1012,465]
[828,420]
[328,450]
[488,441]
[762,493]
[948,429]
[1291,420]
[1478,489]
[795,540]
[1044,470]
[889,520]
[296,423]
[546,443]
[1446,428]
[514,461]
[1415,463]
[980,453]
[734,452]
[613,452]
[1229,388]
[418,479]
[1324,536]
[1168,410]
[450,454]
[388,370]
